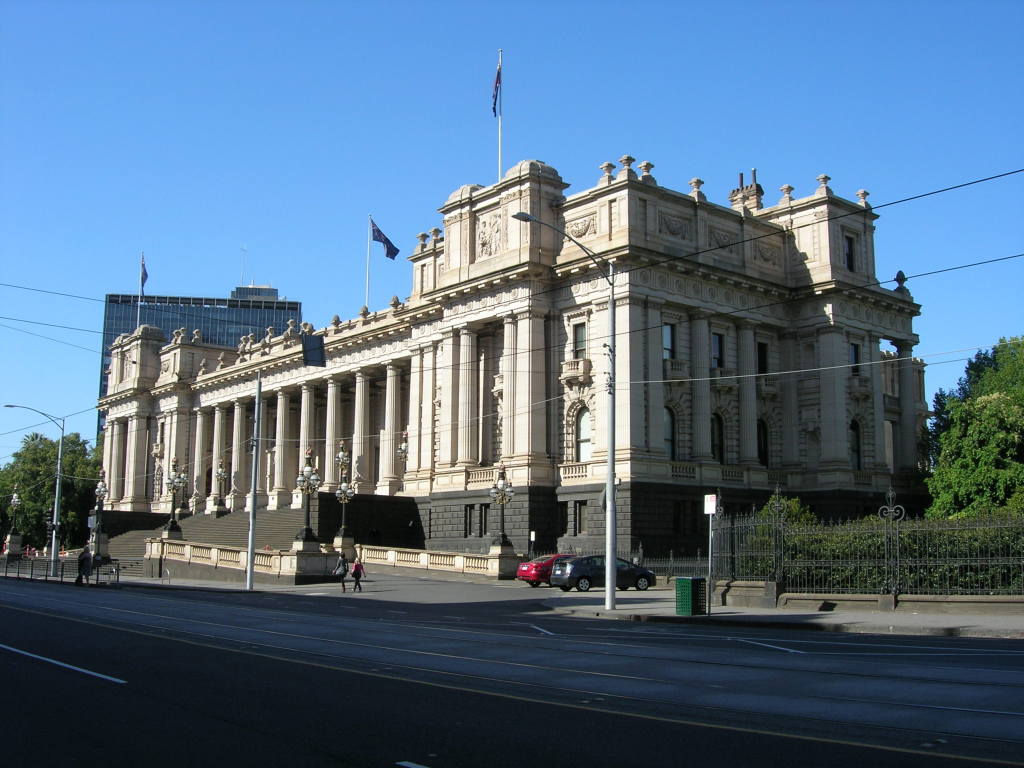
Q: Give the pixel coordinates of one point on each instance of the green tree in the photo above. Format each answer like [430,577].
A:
[981,457]
[33,470]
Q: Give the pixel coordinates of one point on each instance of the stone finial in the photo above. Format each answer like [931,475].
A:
[787,194]
[422,237]
[901,280]
[607,168]
[435,233]
[220,361]
[364,311]
[395,303]
[197,336]
[627,172]
[335,322]
[823,188]
[695,193]
[862,195]
[645,176]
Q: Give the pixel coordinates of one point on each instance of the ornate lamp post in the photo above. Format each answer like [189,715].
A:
[178,483]
[221,475]
[13,540]
[54,526]
[99,539]
[308,482]
[502,493]
[344,494]
[402,451]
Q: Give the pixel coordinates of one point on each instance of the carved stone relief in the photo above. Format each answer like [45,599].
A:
[586,225]
[488,235]
[674,226]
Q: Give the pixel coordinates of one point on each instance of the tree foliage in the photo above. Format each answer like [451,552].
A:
[977,436]
[33,469]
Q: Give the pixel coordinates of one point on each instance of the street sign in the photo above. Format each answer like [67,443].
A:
[710,504]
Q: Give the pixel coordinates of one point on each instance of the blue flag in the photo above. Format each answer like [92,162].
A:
[143,275]
[389,248]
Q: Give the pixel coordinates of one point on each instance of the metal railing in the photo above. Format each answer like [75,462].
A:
[40,568]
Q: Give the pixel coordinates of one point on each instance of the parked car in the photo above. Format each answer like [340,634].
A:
[588,571]
[538,571]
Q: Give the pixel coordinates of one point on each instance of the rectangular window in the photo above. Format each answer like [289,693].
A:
[668,341]
[717,350]
[485,519]
[467,526]
[855,359]
[580,515]
[762,357]
[850,252]
[579,340]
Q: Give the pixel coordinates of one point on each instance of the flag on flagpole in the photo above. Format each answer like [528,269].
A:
[389,248]
[497,90]
[143,274]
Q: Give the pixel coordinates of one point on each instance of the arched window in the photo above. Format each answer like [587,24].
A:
[856,460]
[584,448]
[717,438]
[762,442]
[670,434]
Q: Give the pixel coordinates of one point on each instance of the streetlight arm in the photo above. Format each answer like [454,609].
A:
[521,216]
[54,419]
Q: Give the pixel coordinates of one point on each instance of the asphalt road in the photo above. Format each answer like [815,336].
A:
[431,672]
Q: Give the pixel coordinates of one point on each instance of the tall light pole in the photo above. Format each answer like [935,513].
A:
[308,482]
[55,525]
[502,493]
[13,540]
[611,533]
[99,540]
[344,494]
[178,482]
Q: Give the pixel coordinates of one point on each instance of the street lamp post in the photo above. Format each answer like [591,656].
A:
[308,482]
[502,493]
[611,533]
[99,539]
[344,494]
[55,524]
[178,481]
[221,475]
[13,540]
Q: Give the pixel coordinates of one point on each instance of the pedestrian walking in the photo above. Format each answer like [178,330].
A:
[357,574]
[84,565]
[341,569]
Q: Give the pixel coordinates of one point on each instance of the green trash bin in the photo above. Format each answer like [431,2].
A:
[691,596]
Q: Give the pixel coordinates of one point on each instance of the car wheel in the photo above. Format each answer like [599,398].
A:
[564,587]
[642,583]
[533,583]
[583,585]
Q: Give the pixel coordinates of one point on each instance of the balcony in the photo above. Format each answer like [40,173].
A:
[573,471]
[576,372]
[768,386]
[723,378]
[676,371]
[860,387]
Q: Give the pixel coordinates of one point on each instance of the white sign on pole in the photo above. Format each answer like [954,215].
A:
[710,504]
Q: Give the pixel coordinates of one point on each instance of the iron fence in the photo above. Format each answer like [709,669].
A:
[41,568]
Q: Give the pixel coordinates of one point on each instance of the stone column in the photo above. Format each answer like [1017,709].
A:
[700,369]
[448,381]
[115,469]
[199,462]
[528,405]
[261,452]
[907,456]
[415,423]
[239,465]
[877,404]
[217,456]
[388,483]
[136,464]
[835,426]
[748,394]
[280,495]
[468,451]
[789,384]
[655,371]
[508,366]
[332,436]
[361,436]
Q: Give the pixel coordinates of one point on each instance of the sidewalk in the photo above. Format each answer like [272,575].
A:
[658,605]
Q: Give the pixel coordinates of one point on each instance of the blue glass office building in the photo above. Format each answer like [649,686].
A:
[250,309]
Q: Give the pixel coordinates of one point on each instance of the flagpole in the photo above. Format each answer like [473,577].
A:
[500,117]
[369,219]
[138,304]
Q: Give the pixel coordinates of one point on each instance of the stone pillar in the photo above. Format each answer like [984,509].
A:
[361,436]
[835,426]
[137,463]
[239,464]
[700,365]
[415,423]
[528,405]
[508,366]
[907,456]
[468,450]
[748,394]
[281,495]
[877,404]
[332,436]
[388,483]
[217,456]
[448,381]
[262,454]
[199,459]
[655,371]
[789,385]
[115,470]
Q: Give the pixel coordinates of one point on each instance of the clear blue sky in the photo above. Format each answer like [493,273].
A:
[187,129]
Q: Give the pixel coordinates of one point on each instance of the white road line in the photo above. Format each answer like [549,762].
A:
[62,664]
[407,764]
[539,629]
[769,645]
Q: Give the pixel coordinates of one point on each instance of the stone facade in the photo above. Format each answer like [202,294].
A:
[748,354]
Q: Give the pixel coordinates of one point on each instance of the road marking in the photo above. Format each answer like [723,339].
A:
[769,645]
[62,664]
[407,764]
[534,626]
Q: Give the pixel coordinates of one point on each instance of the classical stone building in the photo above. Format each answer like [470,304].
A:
[749,354]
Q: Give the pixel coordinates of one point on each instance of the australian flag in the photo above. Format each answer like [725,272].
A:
[389,248]
[497,92]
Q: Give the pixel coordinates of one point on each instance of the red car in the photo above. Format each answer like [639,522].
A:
[538,571]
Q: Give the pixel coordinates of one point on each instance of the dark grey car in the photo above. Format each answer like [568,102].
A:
[588,571]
